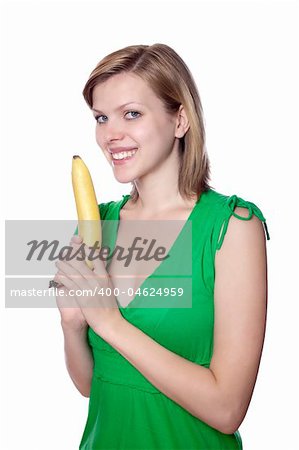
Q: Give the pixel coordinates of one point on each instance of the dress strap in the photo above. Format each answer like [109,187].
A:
[230,204]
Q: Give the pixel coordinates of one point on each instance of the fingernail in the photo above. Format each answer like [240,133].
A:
[76,237]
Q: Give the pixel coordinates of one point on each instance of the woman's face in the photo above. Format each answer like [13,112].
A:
[130,116]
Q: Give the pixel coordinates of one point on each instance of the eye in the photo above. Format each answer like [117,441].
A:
[101,118]
[134,114]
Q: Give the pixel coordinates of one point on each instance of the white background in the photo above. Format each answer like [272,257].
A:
[244,58]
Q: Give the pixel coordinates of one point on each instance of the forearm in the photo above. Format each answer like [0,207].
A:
[192,386]
[78,358]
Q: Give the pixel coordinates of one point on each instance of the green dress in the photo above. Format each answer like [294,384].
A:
[127,412]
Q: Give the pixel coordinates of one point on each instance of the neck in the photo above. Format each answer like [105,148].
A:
[158,190]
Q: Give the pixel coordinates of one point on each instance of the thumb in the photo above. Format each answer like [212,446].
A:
[98,264]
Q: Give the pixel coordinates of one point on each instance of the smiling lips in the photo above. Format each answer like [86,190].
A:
[120,149]
[121,153]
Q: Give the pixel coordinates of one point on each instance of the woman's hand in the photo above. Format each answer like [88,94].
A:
[90,290]
[70,312]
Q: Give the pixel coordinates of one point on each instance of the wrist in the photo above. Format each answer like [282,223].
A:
[114,329]
[75,328]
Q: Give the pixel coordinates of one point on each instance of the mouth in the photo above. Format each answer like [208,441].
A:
[122,157]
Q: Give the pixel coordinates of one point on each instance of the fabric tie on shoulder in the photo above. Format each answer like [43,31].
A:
[231,203]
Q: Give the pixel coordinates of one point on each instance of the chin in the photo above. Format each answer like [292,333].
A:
[122,178]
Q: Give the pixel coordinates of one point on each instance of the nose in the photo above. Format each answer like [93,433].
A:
[114,131]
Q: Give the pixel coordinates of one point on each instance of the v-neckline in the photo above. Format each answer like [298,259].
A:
[121,205]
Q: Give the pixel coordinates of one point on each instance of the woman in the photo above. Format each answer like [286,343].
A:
[164,375]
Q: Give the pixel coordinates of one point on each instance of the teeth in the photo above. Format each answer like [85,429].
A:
[123,155]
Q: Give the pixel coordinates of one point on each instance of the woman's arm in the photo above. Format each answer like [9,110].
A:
[78,357]
[218,395]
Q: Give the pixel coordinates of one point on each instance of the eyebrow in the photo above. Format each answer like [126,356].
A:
[120,107]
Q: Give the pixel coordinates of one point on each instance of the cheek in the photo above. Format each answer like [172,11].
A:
[149,133]
[162,135]
[100,140]
[98,136]
[140,135]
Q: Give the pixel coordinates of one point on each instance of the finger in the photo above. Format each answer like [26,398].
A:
[79,273]
[79,251]
[76,244]
[63,297]
[65,281]
[95,260]
[76,239]
[98,263]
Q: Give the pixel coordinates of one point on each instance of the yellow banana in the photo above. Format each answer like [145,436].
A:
[89,221]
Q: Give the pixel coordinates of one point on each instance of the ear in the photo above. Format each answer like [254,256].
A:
[182,123]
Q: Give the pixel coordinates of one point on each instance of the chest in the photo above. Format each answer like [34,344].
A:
[141,246]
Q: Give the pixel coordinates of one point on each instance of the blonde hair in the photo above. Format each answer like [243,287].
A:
[171,80]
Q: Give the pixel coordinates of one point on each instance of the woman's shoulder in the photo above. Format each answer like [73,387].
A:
[229,202]
[227,205]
